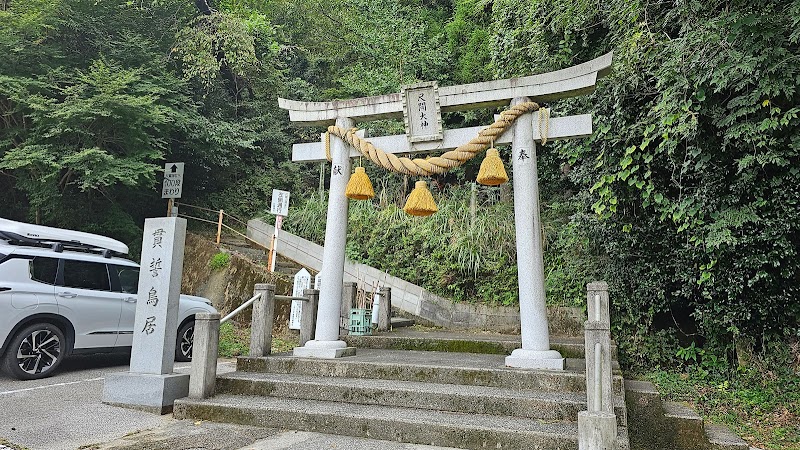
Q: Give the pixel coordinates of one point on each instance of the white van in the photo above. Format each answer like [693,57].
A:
[64,292]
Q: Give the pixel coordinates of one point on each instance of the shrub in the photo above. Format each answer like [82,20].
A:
[220,261]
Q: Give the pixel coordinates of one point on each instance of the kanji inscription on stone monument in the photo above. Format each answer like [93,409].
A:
[159,292]
[150,383]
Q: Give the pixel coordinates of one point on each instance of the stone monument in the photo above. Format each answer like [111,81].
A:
[150,385]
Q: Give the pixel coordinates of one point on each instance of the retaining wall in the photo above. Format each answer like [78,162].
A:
[415,301]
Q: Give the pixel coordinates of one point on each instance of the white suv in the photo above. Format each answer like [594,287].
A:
[64,292]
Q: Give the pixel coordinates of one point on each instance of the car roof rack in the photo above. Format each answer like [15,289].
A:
[58,239]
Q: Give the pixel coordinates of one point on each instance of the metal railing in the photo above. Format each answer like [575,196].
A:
[239,309]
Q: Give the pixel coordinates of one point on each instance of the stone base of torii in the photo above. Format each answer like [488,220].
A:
[577,80]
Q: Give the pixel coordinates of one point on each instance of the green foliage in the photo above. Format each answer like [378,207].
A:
[205,38]
[469,42]
[690,353]
[96,95]
[452,255]
[99,130]
[692,168]
[233,340]
[760,402]
[220,261]
[685,199]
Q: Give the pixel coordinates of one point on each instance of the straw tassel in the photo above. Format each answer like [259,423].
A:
[359,187]
[492,171]
[420,202]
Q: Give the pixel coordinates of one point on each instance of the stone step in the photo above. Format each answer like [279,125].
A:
[686,425]
[569,347]
[561,406]
[401,322]
[722,438]
[467,431]
[429,367]
[664,424]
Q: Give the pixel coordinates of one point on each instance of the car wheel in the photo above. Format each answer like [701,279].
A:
[35,352]
[183,348]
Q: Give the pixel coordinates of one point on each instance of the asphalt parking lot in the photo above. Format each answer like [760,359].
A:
[65,411]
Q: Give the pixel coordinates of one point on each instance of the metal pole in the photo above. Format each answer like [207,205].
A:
[473,204]
[278,222]
[321,179]
[239,309]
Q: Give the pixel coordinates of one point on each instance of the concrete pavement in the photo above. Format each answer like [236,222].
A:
[65,411]
[188,435]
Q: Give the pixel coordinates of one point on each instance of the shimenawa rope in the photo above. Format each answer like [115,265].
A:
[448,160]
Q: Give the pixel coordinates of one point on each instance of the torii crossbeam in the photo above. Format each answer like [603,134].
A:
[424,136]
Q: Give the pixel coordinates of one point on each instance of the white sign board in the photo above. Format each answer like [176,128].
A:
[376,307]
[173,180]
[318,281]
[280,203]
[302,281]
[422,112]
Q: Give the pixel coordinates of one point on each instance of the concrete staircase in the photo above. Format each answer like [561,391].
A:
[462,400]
[659,424]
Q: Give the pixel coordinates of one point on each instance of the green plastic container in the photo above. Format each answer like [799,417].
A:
[361,322]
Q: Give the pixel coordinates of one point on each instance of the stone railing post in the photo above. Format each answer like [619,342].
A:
[263,319]
[385,309]
[349,291]
[203,378]
[597,302]
[308,321]
[598,367]
[597,427]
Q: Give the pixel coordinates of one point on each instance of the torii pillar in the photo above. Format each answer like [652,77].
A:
[577,80]
[326,343]
[535,352]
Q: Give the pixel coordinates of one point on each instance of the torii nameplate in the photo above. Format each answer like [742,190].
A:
[570,82]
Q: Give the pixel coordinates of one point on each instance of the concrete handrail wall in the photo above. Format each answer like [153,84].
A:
[309,254]
[426,307]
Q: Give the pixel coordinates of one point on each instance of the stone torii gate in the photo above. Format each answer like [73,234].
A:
[425,134]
